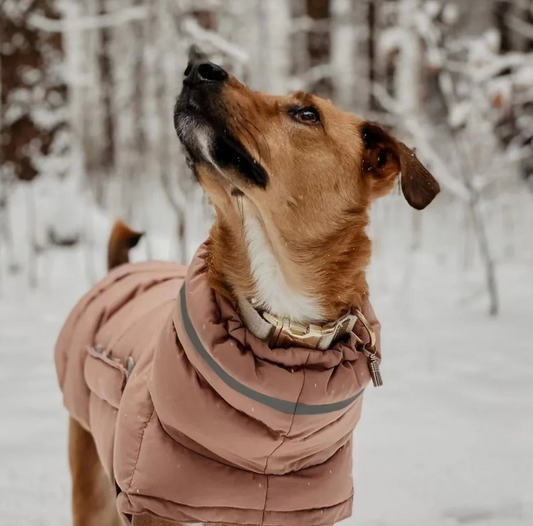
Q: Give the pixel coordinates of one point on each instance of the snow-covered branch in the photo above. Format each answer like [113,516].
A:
[85,23]
[201,35]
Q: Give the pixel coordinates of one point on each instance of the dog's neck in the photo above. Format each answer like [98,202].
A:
[273,294]
[244,264]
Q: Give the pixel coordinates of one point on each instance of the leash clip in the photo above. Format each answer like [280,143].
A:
[370,351]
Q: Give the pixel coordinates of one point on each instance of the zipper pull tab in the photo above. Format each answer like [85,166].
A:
[373,367]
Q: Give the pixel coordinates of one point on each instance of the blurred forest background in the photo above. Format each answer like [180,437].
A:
[87,95]
[88,87]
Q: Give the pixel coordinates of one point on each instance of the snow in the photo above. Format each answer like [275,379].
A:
[446,441]
[34,486]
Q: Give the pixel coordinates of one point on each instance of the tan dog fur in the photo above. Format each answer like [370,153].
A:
[315,209]
[314,212]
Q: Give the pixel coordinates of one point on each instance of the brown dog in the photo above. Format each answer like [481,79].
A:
[292,179]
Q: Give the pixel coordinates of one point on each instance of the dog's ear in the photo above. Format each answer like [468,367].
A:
[381,159]
[419,187]
[385,158]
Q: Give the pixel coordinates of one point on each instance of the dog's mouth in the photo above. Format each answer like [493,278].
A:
[202,127]
[230,154]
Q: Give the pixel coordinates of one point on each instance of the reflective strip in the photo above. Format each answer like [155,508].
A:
[291,408]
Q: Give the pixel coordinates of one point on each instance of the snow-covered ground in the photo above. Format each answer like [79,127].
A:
[447,441]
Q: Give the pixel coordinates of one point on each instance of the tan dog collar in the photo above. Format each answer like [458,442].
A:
[282,332]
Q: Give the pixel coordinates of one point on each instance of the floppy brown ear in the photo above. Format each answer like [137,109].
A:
[384,158]
[419,187]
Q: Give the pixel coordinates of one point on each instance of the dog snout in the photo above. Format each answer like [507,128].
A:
[200,71]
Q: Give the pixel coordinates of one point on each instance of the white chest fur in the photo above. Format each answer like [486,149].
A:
[273,293]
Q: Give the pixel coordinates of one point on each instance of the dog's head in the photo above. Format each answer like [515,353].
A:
[306,169]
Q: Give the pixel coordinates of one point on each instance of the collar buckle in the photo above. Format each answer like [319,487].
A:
[286,332]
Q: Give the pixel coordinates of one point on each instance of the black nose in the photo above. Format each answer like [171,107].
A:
[200,70]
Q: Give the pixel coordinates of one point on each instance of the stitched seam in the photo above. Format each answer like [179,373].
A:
[139,450]
[223,508]
[283,439]
[220,461]
[96,296]
[103,290]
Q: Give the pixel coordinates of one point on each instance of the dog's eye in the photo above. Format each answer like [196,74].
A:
[306,115]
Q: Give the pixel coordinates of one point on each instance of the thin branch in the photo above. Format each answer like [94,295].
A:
[177,201]
[514,23]
[446,86]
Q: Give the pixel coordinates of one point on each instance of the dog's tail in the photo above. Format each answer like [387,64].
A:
[122,238]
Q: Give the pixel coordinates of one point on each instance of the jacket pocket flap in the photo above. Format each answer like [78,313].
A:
[105,376]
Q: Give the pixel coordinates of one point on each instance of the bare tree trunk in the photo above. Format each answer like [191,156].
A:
[31,219]
[249,36]
[478,223]
[126,62]
[343,51]
[371,52]
[490,271]
[97,132]
[277,55]
[361,59]
[75,50]
[106,79]
[302,60]
[408,79]
[174,173]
